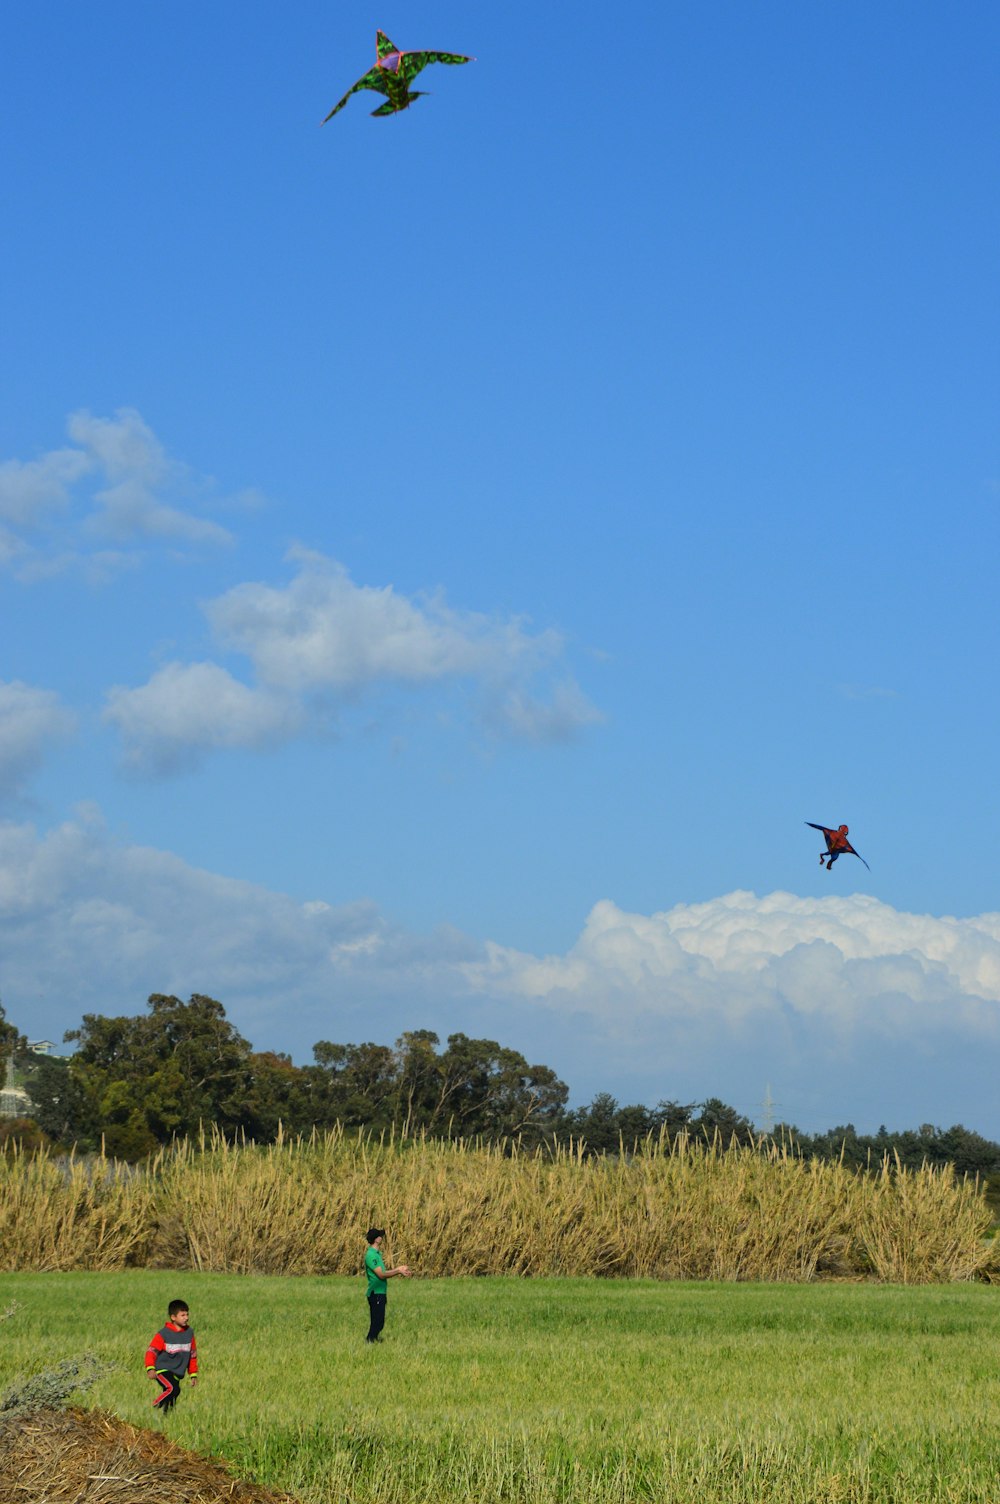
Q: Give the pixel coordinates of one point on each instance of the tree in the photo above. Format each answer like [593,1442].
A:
[146,1080]
[718,1118]
[969,1152]
[596,1125]
[277,1095]
[673,1117]
[21,1136]
[475,1087]
[354,1084]
[10,1039]
[492,1091]
[420,1081]
[58,1105]
[635,1123]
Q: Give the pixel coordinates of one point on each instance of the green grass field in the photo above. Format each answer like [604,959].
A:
[553,1390]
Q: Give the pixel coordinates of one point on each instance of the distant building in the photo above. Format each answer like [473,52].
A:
[41,1046]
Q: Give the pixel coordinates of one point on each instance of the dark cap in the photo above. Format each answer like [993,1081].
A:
[375,1232]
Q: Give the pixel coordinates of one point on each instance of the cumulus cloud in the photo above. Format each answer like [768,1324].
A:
[187,709]
[323,631]
[847,963]
[117,482]
[137,469]
[29,491]
[321,642]
[846,1001]
[30,720]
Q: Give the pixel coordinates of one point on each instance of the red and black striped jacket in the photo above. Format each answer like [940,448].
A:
[173,1350]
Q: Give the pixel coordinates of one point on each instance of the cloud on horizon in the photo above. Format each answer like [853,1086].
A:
[821,991]
[321,643]
[852,966]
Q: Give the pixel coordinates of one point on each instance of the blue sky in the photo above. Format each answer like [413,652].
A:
[445,559]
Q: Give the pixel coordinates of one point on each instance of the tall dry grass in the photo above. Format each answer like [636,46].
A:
[73,1213]
[682,1210]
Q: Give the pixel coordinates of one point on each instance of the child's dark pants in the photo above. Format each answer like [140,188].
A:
[376,1304]
[170,1388]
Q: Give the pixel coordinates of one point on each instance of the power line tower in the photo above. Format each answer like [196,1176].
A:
[767,1108]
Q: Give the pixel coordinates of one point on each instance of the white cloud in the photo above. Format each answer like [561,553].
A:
[324,632]
[187,709]
[118,482]
[29,491]
[30,719]
[321,642]
[846,964]
[135,463]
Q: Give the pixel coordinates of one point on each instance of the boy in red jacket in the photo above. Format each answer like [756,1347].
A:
[171,1354]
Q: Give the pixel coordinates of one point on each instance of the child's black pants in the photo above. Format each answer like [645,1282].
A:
[376,1304]
[170,1388]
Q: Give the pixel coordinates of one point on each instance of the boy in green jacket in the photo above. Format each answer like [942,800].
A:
[377,1275]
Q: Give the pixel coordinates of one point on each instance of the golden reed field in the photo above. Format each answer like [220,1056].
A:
[681,1210]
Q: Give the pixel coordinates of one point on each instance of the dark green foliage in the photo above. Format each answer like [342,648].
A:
[473,1088]
[604,1127]
[138,1082]
[56,1097]
[9,1039]
[969,1152]
[21,1136]
[145,1080]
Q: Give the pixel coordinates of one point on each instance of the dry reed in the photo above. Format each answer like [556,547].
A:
[681,1210]
[73,1213]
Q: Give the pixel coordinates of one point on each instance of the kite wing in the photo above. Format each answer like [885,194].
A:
[828,835]
[850,848]
[375,78]
[383,47]
[411,63]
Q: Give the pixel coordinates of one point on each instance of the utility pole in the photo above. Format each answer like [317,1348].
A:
[767,1107]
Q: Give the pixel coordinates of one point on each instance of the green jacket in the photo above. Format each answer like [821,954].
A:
[373,1261]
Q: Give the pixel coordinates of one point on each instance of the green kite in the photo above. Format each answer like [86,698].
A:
[392,75]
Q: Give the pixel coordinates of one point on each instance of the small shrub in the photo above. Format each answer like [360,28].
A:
[51,1388]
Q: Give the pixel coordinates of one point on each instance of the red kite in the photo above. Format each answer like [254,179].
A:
[836,845]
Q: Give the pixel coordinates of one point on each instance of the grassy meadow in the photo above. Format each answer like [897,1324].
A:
[555,1389]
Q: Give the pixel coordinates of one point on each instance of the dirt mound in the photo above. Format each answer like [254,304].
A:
[90,1457]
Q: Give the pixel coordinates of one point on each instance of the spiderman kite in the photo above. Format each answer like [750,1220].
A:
[392,75]
[836,844]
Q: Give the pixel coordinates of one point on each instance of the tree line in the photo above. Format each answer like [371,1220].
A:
[136,1083]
